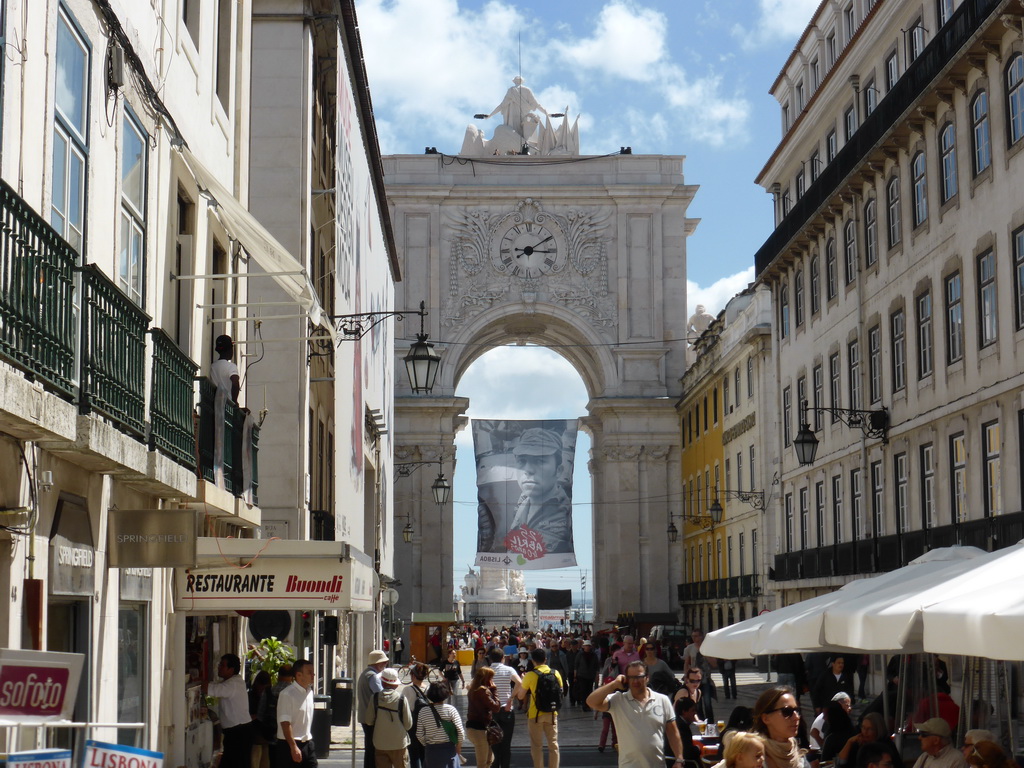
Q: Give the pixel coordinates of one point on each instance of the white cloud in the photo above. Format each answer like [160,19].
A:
[778,20]
[626,43]
[715,296]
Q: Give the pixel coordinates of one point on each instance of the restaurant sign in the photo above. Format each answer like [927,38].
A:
[38,686]
[255,574]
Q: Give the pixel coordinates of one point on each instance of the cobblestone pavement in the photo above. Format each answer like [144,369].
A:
[578,731]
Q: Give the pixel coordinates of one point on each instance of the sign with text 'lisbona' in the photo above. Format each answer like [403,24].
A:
[99,754]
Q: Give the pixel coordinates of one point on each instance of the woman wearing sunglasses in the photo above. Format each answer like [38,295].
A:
[777,718]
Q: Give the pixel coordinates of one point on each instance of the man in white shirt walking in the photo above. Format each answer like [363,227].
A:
[235,719]
[295,720]
[506,680]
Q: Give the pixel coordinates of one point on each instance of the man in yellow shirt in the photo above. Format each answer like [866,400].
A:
[541,722]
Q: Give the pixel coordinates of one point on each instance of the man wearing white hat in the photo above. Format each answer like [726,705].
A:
[368,684]
[391,719]
[936,750]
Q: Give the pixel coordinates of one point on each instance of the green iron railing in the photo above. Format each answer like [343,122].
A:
[171,401]
[234,422]
[113,367]
[37,321]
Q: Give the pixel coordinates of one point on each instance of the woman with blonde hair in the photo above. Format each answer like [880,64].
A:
[777,718]
[483,703]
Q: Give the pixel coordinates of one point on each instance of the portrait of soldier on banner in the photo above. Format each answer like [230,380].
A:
[524,493]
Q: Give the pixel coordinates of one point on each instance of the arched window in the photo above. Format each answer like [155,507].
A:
[980,133]
[850,251]
[798,297]
[831,273]
[947,145]
[870,232]
[1015,97]
[892,199]
[784,310]
[917,170]
[815,287]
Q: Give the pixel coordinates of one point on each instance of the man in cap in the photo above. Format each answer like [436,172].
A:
[936,750]
[368,684]
[588,667]
[391,719]
[544,505]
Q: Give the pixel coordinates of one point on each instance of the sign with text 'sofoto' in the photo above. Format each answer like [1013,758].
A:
[38,686]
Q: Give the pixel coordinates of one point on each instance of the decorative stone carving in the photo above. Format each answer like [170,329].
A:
[621,452]
[483,272]
[699,321]
[657,452]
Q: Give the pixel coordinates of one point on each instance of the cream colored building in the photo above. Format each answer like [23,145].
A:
[897,271]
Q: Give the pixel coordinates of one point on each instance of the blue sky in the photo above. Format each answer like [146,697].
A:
[676,77]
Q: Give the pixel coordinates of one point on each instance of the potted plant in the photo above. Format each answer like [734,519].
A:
[269,655]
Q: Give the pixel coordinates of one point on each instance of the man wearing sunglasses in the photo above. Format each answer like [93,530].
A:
[643,718]
[936,750]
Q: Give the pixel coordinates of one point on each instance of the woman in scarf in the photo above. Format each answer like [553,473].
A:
[777,718]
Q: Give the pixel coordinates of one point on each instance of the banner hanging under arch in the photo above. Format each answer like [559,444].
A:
[524,493]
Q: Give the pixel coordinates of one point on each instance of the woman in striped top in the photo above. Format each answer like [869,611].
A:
[439,751]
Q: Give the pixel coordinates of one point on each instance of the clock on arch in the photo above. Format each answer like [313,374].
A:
[529,248]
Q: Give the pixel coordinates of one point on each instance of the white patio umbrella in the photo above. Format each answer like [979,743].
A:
[801,626]
[890,618]
[988,623]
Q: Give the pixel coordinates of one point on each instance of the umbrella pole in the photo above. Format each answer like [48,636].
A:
[1011,730]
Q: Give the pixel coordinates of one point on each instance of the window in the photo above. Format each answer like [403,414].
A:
[848,24]
[805,534]
[1018,274]
[830,47]
[954,319]
[920,189]
[819,512]
[987,327]
[958,478]
[875,364]
[898,331]
[870,97]
[834,384]
[916,39]
[924,335]
[190,13]
[850,250]
[785,117]
[857,506]
[944,10]
[877,500]
[725,401]
[1015,97]
[815,163]
[853,357]
[800,96]
[801,393]
[830,147]
[870,232]
[849,123]
[783,310]
[993,474]
[729,556]
[753,473]
[892,198]
[831,269]
[927,486]
[223,60]
[131,266]
[787,414]
[837,508]
[743,556]
[818,382]
[750,377]
[892,71]
[714,405]
[70,133]
[739,470]
[786,202]
[798,297]
[815,74]
[789,522]
[980,132]
[816,284]
[947,145]
[800,185]
[736,378]
[899,466]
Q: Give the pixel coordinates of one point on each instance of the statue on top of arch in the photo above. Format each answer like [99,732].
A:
[522,132]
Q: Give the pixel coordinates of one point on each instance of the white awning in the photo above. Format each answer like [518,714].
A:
[275,574]
[262,246]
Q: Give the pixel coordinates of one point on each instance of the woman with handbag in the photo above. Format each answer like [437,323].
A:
[439,730]
[480,725]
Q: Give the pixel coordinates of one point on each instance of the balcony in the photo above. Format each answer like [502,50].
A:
[172,394]
[233,465]
[887,553]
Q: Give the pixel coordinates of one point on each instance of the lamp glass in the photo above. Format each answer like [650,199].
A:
[441,489]
[716,511]
[806,445]
[407,533]
[422,363]
[673,532]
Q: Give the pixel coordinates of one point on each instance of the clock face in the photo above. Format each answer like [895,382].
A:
[528,250]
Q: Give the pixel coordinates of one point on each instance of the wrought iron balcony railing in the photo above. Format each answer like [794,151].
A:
[171,401]
[233,445]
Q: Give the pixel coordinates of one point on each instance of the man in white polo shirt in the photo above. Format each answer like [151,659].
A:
[295,720]
[642,717]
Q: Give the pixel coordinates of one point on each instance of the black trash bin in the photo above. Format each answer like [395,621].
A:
[341,700]
[322,725]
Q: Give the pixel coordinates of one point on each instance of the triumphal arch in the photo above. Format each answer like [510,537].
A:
[521,239]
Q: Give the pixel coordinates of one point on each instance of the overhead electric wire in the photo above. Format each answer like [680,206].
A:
[552,346]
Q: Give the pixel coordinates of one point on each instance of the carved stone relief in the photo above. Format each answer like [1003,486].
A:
[575,276]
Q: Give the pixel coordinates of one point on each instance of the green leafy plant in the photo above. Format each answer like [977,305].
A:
[269,655]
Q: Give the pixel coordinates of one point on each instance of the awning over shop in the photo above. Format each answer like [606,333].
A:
[262,246]
[275,574]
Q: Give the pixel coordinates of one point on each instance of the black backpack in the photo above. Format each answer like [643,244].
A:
[548,694]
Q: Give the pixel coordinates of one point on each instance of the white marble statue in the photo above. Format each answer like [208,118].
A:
[522,129]
[699,321]
[516,586]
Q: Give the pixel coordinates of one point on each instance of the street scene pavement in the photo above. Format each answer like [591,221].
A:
[578,731]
